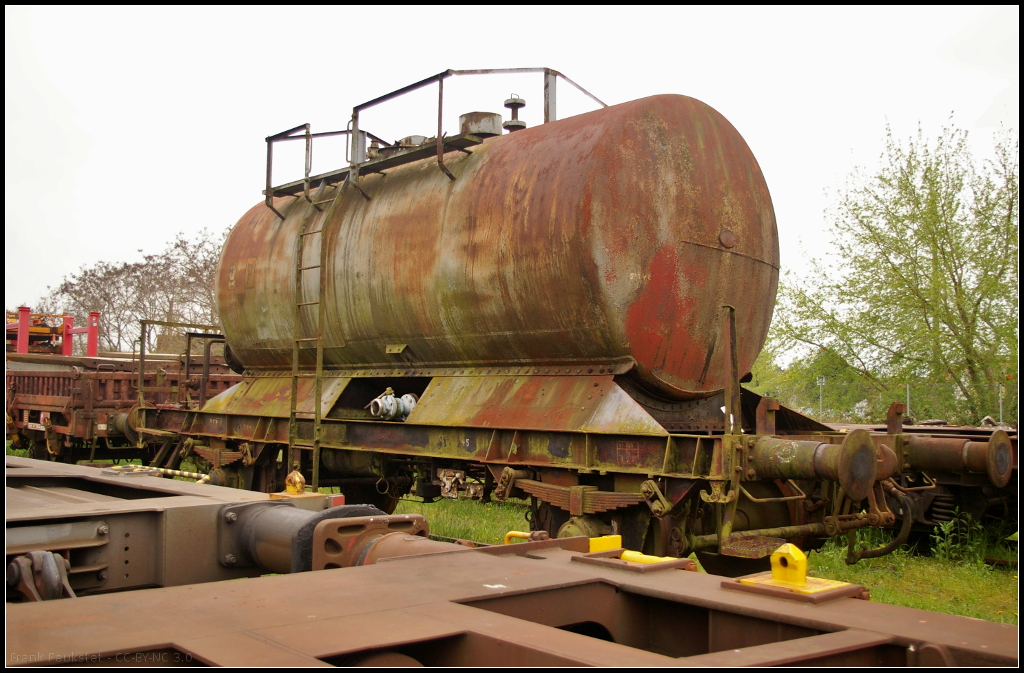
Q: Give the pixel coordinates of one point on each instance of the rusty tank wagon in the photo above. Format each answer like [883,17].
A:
[563,313]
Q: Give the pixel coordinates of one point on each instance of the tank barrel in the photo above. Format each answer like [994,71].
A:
[634,274]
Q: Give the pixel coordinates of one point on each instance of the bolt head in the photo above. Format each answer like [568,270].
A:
[751,473]
[102,574]
[231,517]
[102,529]
[229,559]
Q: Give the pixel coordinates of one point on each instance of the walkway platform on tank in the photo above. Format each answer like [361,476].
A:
[460,142]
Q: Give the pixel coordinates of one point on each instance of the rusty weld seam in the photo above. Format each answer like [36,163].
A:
[731,252]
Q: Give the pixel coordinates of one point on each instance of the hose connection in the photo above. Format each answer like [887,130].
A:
[388,407]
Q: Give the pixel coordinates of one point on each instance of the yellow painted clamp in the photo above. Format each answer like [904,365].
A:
[637,557]
[517,534]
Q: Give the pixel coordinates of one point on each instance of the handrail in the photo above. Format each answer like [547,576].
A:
[144,335]
[355,152]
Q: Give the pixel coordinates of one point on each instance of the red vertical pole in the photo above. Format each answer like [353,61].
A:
[23,326]
[92,346]
[65,338]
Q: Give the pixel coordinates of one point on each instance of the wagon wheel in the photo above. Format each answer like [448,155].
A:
[37,450]
[547,517]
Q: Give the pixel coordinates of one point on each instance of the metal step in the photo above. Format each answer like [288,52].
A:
[753,546]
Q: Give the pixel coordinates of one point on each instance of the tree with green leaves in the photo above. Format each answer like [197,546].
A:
[921,285]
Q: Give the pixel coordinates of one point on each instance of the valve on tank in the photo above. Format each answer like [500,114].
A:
[391,408]
[514,124]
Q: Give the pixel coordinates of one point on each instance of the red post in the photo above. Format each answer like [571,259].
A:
[24,321]
[66,342]
[93,343]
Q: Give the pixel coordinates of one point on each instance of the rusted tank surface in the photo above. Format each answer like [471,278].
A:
[606,239]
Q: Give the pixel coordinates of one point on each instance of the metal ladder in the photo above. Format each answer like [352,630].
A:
[295,445]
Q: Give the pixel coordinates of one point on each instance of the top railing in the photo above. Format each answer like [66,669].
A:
[356,149]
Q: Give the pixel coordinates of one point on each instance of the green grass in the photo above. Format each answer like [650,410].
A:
[965,588]
[20,453]
[470,519]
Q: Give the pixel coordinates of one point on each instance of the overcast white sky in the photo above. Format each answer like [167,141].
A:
[125,126]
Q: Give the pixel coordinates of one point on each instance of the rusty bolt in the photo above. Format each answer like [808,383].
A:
[231,517]
[751,473]
[739,468]
[102,529]
[229,559]
[102,574]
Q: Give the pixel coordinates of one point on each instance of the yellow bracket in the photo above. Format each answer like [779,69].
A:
[789,571]
[605,542]
[609,542]
[789,565]
[295,482]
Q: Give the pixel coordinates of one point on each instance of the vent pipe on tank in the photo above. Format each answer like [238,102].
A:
[514,124]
